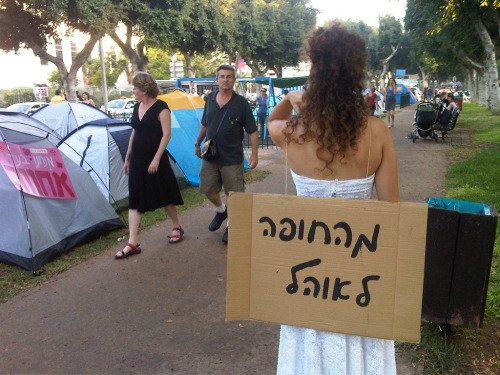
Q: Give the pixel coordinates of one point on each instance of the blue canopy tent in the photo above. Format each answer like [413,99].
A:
[186,112]
[402,89]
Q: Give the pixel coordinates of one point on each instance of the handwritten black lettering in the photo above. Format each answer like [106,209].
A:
[363,299]
[289,232]
[326,284]
[317,287]
[293,230]
[312,232]
[337,290]
[294,287]
[272,226]
[362,239]
[301,230]
[348,233]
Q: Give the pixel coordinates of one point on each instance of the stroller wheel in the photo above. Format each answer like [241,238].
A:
[413,137]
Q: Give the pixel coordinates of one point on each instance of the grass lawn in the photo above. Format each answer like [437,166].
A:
[473,175]
[14,280]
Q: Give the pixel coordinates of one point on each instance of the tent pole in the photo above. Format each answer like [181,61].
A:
[103,77]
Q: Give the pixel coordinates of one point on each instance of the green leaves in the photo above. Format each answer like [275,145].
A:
[269,35]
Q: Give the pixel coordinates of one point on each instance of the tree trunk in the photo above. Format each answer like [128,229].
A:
[278,70]
[257,71]
[237,64]
[385,66]
[188,57]
[491,72]
[137,58]
[482,93]
[474,87]
[68,77]
[424,77]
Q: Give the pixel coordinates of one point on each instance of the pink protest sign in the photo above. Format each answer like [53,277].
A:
[40,171]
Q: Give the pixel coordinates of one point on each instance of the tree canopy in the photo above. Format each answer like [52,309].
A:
[462,37]
[270,34]
[35,24]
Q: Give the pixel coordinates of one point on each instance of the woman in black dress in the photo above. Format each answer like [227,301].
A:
[152,183]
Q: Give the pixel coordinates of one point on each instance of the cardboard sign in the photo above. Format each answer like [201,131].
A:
[40,171]
[340,265]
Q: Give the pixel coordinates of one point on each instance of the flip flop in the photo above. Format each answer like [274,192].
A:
[135,250]
[179,236]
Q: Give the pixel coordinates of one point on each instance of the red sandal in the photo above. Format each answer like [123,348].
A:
[134,250]
[179,236]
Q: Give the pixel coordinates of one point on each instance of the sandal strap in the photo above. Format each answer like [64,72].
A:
[133,247]
[181,231]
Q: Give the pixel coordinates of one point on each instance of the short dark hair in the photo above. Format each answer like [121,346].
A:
[225,67]
[58,92]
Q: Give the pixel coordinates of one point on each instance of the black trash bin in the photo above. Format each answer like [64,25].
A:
[459,249]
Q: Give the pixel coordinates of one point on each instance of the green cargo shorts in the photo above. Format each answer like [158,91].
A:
[213,177]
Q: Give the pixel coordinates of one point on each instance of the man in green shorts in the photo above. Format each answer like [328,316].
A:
[225,118]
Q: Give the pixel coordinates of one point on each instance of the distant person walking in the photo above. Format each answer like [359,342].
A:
[225,118]
[263,102]
[390,101]
[371,100]
[152,183]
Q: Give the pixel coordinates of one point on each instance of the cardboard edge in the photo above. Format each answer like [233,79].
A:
[407,321]
[239,257]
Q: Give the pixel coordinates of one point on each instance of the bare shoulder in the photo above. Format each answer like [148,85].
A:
[276,129]
[378,128]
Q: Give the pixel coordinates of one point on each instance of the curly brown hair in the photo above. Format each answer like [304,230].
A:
[333,108]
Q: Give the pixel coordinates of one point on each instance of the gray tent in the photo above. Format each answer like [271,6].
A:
[38,229]
[95,141]
[99,147]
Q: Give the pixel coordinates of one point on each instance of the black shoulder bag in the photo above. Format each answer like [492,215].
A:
[209,148]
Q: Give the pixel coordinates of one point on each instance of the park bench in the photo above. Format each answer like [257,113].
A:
[445,128]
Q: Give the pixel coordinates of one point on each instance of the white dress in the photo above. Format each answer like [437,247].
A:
[304,351]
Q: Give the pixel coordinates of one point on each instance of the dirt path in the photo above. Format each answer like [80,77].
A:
[163,312]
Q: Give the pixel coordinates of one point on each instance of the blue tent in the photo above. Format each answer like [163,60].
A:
[186,113]
[402,89]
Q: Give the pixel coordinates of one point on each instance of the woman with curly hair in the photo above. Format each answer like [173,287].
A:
[335,149]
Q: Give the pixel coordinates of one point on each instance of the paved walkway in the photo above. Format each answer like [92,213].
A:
[162,312]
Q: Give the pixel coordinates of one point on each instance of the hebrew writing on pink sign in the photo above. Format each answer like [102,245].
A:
[39,171]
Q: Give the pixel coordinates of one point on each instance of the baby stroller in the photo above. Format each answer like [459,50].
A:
[425,115]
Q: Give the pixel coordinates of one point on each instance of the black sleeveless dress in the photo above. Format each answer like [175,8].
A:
[147,192]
